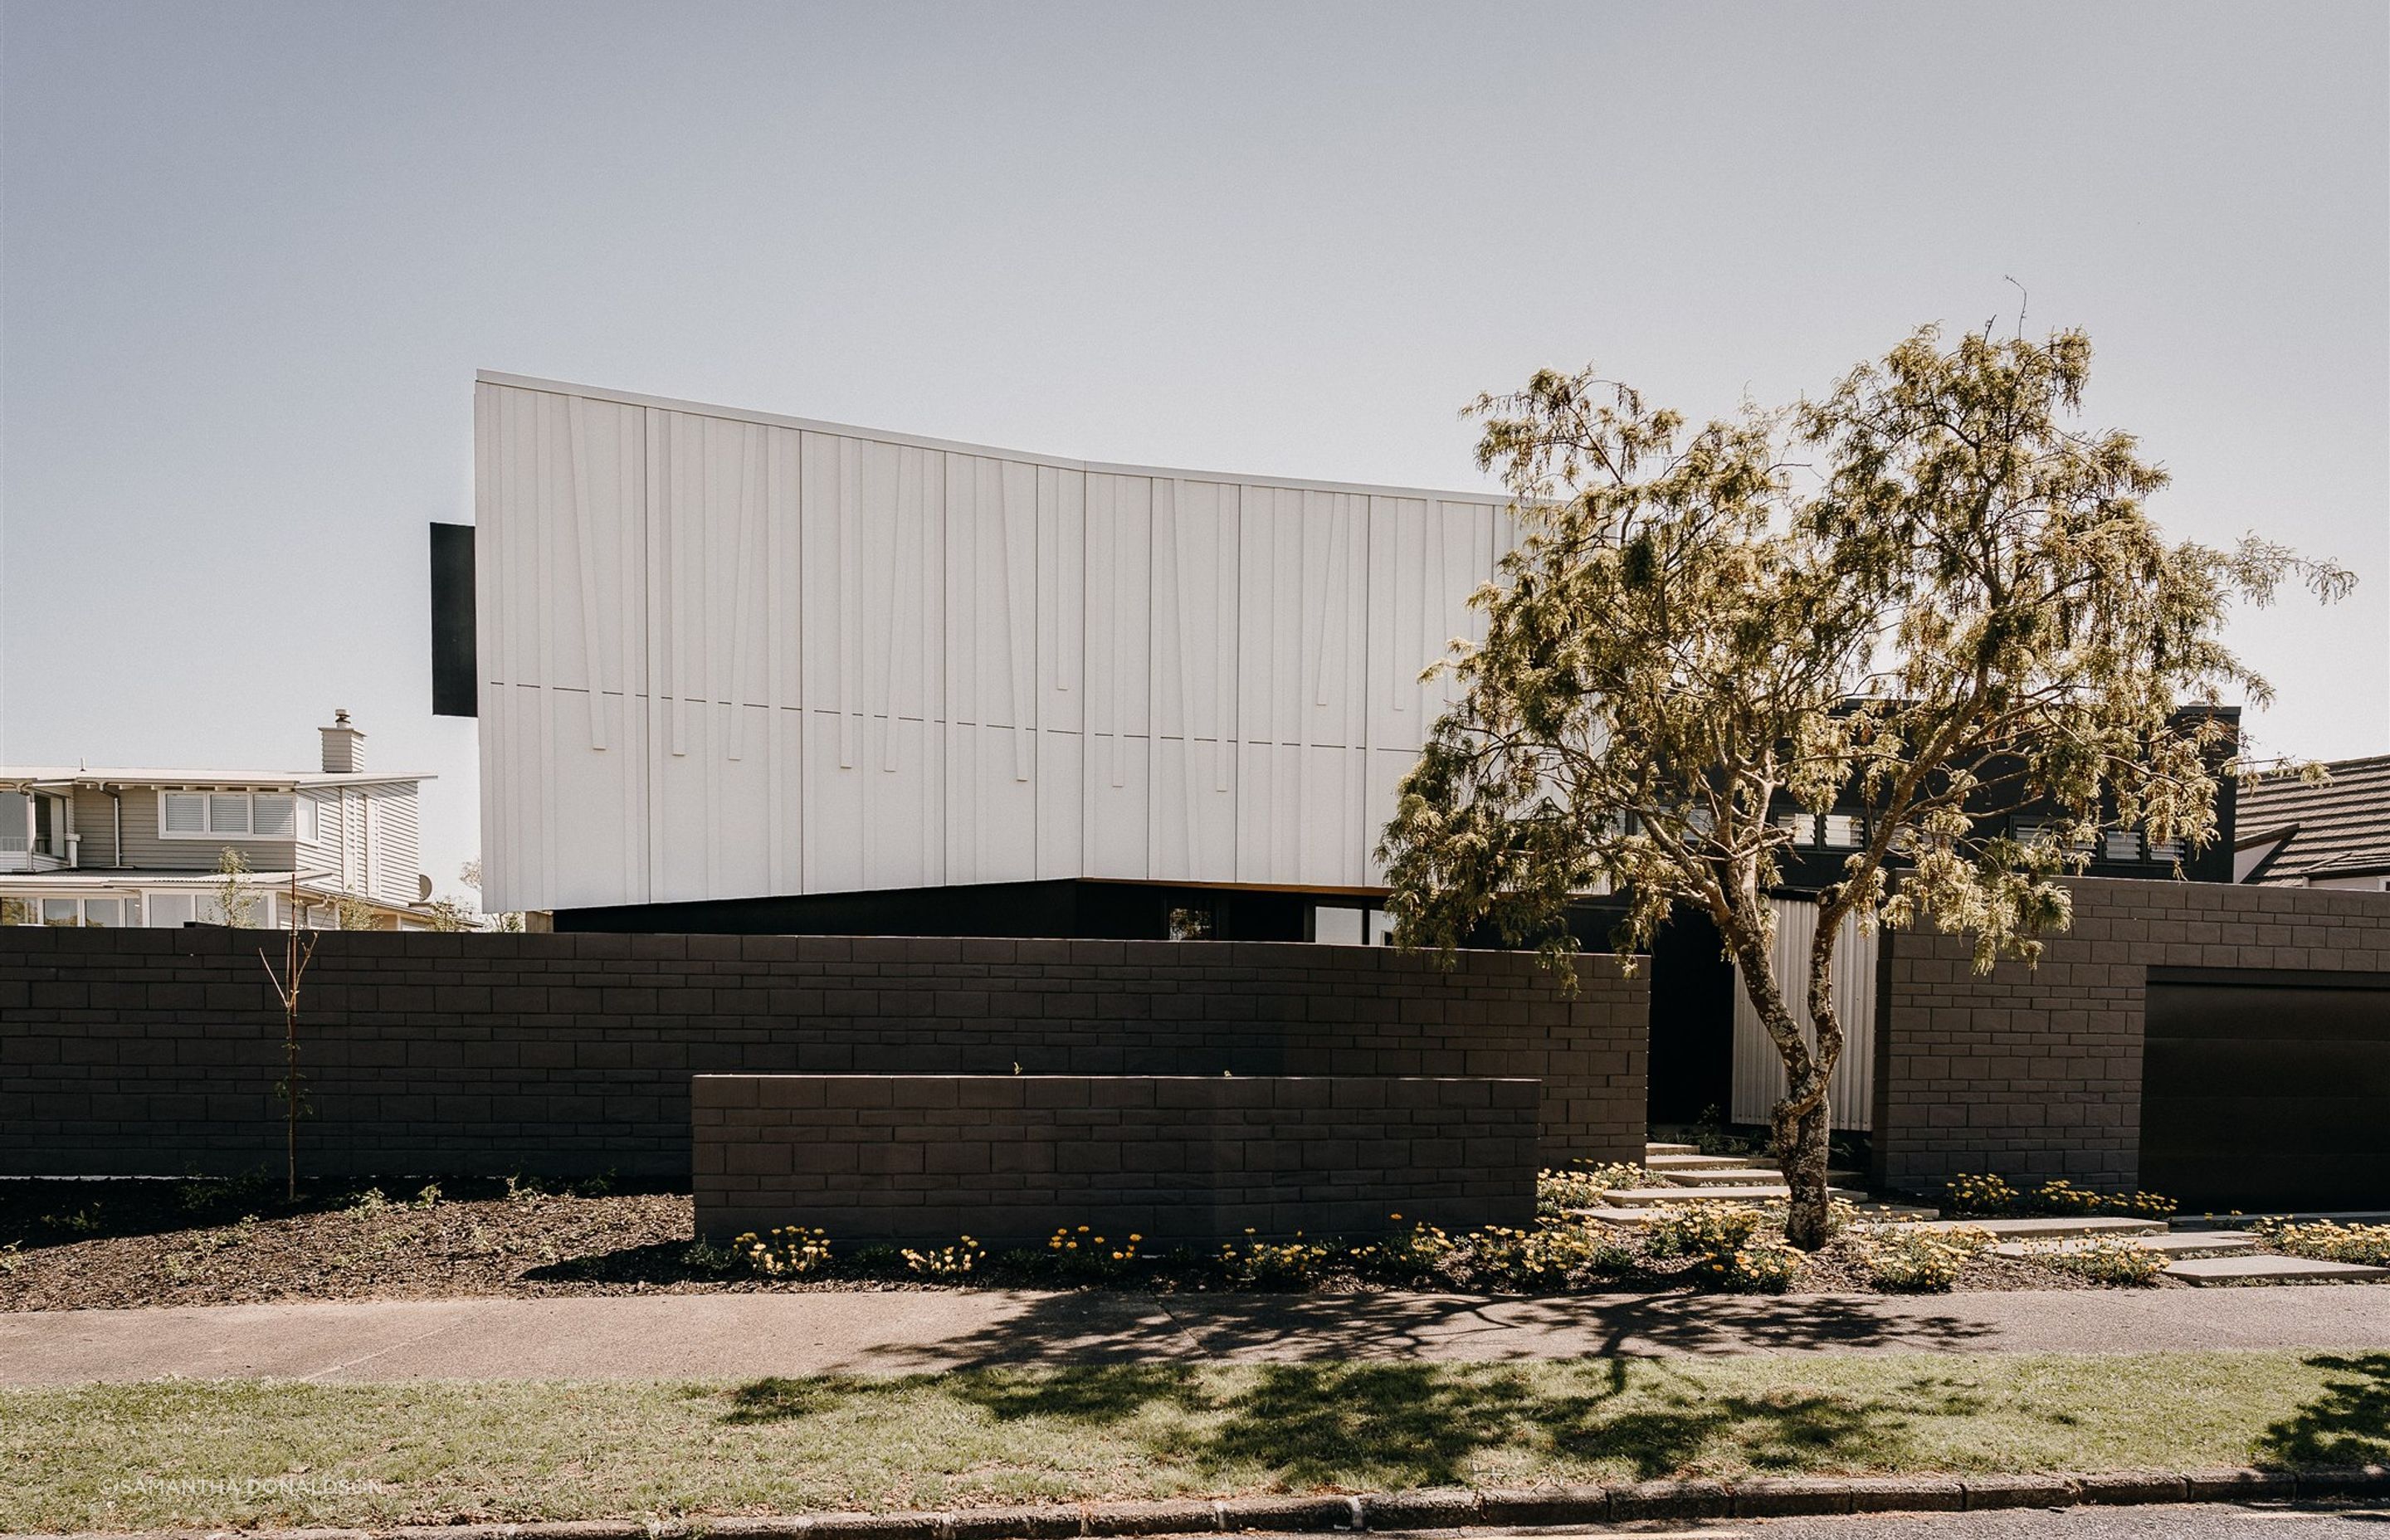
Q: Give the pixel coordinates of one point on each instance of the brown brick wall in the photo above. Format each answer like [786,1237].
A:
[1196,1161]
[2037,1072]
[155,1051]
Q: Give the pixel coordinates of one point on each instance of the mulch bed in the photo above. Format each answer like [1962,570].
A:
[116,1244]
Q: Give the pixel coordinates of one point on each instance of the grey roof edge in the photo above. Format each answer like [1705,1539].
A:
[986,451]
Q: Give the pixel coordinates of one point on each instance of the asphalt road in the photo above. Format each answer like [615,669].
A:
[2207,1522]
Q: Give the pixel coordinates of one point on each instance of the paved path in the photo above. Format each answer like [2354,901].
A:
[708,1336]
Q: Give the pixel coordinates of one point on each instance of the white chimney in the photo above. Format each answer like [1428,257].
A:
[344,747]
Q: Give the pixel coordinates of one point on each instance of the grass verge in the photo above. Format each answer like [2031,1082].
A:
[229,1453]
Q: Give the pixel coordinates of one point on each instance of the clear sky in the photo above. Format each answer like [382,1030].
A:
[254,254]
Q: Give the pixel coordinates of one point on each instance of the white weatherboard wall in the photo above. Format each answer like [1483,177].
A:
[1759,1071]
[728,655]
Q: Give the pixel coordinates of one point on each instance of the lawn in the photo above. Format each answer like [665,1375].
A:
[225,1452]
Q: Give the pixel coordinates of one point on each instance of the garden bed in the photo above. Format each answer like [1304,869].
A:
[69,1245]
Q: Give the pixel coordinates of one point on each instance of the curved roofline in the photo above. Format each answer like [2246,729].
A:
[955,447]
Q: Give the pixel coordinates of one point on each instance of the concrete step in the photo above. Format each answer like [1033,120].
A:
[1672,1164]
[1644,1198]
[1738,1176]
[2250,1221]
[2259,1268]
[1884,1215]
[2053,1229]
[2187,1243]
[1651,1150]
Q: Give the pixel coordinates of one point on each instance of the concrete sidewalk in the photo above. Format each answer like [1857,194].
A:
[733,1336]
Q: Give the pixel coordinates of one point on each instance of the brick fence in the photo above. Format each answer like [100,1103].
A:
[2039,1072]
[1011,1159]
[155,1051]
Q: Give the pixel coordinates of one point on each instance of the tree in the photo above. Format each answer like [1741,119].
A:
[299,950]
[1927,595]
[235,899]
[509,921]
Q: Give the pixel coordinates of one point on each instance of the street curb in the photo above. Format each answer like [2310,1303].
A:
[1432,1508]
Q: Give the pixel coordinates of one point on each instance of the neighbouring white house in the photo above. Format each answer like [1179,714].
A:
[2331,835]
[82,845]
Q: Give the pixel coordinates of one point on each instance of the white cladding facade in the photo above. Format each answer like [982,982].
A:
[729,655]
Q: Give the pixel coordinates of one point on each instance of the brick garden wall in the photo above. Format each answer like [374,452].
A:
[2038,1072]
[1009,1158]
[155,1051]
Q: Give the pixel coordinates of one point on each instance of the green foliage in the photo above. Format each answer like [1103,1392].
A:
[950,1263]
[1257,1264]
[235,899]
[2368,1245]
[1905,1260]
[703,1256]
[1983,1196]
[1989,1196]
[1960,610]
[1549,1257]
[1081,1256]
[1415,1255]
[788,1252]
[1559,1191]
[2111,1262]
[1727,1250]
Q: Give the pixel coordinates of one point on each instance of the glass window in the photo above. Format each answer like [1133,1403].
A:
[2121,844]
[2166,849]
[273,815]
[13,819]
[1803,827]
[18,911]
[1845,830]
[170,909]
[1337,927]
[186,813]
[60,911]
[105,912]
[229,814]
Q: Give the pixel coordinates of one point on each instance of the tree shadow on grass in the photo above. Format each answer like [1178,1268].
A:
[1419,1424]
[2347,1424]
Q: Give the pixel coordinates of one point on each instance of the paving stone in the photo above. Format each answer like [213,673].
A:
[2186,1243]
[1699,1499]
[2272,1269]
[1544,1505]
[1789,1496]
[1651,1150]
[1673,1163]
[2018,1491]
[2102,1225]
[1906,1494]
[2132,1486]
[2241,1484]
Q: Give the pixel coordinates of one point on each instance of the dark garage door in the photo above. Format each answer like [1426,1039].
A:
[2266,1090]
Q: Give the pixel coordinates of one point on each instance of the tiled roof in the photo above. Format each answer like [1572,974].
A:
[2341,828]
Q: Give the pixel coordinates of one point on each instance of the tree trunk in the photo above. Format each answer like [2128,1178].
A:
[1801,1147]
[1800,1121]
[1805,1122]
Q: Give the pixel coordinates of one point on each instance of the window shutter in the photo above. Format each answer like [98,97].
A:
[186,813]
[275,815]
[228,813]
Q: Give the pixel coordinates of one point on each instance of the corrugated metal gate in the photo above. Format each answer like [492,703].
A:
[1758,1072]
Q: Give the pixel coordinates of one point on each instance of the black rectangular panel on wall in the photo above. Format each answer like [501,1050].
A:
[453,691]
[2267,1091]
